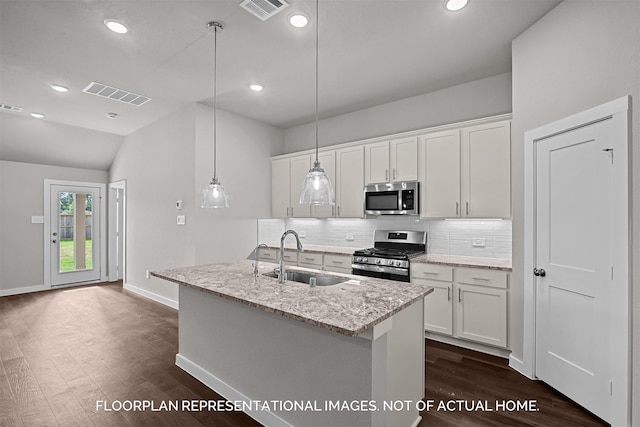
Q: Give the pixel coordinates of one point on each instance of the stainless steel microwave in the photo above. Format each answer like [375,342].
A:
[395,198]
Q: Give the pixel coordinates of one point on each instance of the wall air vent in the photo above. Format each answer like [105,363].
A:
[6,107]
[116,94]
[263,9]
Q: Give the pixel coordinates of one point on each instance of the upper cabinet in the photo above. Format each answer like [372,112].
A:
[287,176]
[391,161]
[467,172]
[350,182]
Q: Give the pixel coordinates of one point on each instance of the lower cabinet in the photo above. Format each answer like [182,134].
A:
[337,263]
[467,303]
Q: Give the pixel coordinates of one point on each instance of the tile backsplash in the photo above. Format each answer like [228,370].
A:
[480,238]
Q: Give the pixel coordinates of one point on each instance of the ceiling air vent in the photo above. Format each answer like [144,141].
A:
[6,107]
[263,9]
[116,94]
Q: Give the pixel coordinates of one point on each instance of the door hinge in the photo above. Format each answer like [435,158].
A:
[610,151]
[611,388]
[612,272]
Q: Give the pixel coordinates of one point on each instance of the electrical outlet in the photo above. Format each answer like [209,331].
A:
[181,220]
[479,242]
[302,234]
[349,237]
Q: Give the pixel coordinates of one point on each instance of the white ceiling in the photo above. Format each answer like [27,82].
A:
[371,52]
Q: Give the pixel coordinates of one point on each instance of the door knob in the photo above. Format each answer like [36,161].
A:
[539,272]
[54,241]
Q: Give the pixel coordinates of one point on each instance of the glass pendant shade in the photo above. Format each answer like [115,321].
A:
[213,195]
[317,189]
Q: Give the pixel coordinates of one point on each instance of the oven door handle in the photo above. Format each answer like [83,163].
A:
[379,269]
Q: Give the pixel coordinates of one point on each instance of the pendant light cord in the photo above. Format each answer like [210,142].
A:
[215,92]
[317,34]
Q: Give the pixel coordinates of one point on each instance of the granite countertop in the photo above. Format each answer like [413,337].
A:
[464,261]
[349,308]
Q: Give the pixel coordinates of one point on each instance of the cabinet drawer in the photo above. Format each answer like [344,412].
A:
[310,258]
[290,256]
[483,277]
[337,261]
[267,254]
[432,272]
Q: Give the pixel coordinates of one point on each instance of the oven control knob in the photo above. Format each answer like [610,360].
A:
[390,262]
[358,259]
[378,261]
[364,259]
[398,263]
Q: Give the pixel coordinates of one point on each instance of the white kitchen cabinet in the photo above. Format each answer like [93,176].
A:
[310,260]
[467,172]
[268,254]
[328,163]
[467,303]
[440,189]
[337,263]
[438,306]
[486,170]
[391,161]
[350,182]
[287,176]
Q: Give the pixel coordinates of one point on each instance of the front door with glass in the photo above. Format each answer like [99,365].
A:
[74,234]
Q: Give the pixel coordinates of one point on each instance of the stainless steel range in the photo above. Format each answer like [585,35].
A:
[390,257]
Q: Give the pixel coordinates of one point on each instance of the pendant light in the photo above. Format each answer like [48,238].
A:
[213,195]
[317,189]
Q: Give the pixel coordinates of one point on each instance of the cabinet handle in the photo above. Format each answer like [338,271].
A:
[337,262]
[484,279]
[457,208]
[430,273]
[394,173]
[287,211]
[467,208]
[291,210]
[338,210]
[333,211]
[448,293]
[386,174]
[459,295]
[309,258]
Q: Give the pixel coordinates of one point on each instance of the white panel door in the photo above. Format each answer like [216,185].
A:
[573,264]
[74,234]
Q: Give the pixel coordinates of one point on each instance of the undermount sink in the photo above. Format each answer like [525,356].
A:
[308,278]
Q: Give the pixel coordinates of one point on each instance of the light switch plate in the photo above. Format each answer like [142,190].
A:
[37,220]
[350,237]
[181,220]
[302,234]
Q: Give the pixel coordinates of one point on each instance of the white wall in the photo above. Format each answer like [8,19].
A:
[581,54]
[171,160]
[477,99]
[21,197]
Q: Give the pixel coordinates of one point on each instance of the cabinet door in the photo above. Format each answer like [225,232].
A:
[328,163]
[280,188]
[404,159]
[481,314]
[486,170]
[438,307]
[441,183]
[350,182]
[376,163]
[299,168]
[337,263]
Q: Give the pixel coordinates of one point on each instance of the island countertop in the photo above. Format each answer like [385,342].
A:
[349,308]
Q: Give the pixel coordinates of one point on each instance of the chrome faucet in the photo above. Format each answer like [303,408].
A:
[255,264]
[282,275]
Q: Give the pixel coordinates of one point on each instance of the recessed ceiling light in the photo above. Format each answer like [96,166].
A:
[256,87]
[116,26]
[299,20]
[112,115]
[453,5]
[37,115]
[59,88]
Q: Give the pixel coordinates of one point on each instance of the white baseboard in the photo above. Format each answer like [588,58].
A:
[266,418]
[25,290]
[519,366]
[482,348]
[152,296]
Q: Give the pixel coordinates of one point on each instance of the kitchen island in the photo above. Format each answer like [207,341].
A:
[289,354]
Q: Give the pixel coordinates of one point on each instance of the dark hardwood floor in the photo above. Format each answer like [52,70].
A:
[63,351]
